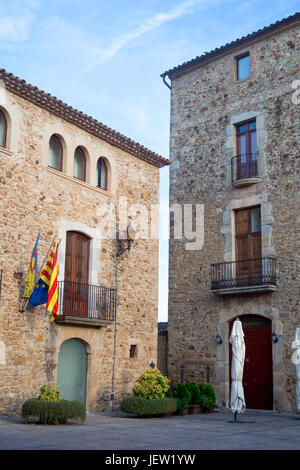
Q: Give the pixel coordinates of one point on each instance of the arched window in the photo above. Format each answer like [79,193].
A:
[79,164]
[3,129]
[102,174]
[55,153]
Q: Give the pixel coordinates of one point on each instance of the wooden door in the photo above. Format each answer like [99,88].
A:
[76,274]
[258,368]
[246,149]
[248,244]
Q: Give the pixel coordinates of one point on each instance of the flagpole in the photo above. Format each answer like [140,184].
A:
[24,306]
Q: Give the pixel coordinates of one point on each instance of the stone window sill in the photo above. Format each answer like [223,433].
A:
[78,181]
[245,182]
[5,150]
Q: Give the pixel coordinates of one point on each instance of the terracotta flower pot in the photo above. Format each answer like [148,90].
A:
[194,409]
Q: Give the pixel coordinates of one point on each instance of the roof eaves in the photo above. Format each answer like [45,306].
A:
[89,124]
[219,50]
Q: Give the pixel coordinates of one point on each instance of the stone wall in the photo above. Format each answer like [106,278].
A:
[35,198]
[206,102]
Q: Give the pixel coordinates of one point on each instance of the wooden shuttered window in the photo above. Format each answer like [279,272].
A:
[76,291]
[246,145]
[77,258]
[248,241]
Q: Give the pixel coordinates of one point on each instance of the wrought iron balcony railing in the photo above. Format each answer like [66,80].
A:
[86,301]
[244,166]
[258,272]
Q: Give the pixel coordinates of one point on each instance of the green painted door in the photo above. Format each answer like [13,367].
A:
[71,374]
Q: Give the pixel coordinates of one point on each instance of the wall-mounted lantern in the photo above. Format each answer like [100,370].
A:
[219,339]
[125,240]
[274,338]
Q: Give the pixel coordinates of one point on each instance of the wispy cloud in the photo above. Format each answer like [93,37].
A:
[15,28]
[148,25]
[16,18]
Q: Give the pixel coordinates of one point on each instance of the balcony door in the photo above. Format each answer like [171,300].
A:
[248,245]
[246,150]
[76,274]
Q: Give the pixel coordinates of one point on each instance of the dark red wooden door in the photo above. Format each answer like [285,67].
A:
[76,274]
[258,368]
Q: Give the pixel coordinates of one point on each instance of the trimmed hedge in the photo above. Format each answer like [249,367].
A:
[53,412]
[148,407]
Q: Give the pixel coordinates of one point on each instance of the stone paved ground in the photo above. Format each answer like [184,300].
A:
[115,431]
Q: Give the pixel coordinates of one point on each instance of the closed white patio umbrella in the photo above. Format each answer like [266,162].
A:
[237,399]
[296,358]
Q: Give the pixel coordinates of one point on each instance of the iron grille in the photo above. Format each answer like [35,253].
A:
[86,301]
[244,166]
[245,273]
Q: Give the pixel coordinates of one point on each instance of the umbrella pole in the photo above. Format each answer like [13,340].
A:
[235,416]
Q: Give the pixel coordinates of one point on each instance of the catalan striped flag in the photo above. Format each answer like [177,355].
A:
[46,291]
[52,300]
[31,274]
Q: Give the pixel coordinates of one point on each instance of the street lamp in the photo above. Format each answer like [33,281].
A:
[124,240]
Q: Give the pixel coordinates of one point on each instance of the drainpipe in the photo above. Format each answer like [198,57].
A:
[164,80]
[112,396]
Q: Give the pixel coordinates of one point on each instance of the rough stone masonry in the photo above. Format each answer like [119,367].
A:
[207,102]
[36,198]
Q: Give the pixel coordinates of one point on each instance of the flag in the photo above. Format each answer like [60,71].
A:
[52,300]
[31,275]
[47,284]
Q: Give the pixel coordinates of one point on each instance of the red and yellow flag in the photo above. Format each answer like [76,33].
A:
[49,274]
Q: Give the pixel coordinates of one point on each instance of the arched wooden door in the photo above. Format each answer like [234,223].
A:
[258,369]
[71,373]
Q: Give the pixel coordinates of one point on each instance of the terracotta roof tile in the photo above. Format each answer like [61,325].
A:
[219,50]
[54,105]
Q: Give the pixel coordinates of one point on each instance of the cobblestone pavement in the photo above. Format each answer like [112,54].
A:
[116,431]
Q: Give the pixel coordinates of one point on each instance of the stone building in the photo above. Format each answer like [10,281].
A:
[58,169]
[234,148]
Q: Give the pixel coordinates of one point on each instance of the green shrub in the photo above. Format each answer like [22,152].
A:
[182,396]
[53,412]
[208,397]
[169,393]
[195,393]
[181,391]
[147,407]
[47,393]
[151,384]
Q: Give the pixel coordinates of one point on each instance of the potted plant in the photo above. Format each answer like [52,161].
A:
[194,405]
[182,396]
[208,398]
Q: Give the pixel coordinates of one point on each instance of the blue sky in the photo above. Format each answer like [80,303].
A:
[105,59]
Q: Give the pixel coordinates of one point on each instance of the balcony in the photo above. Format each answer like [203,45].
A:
[248,276]
[244,170]
[85,304]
